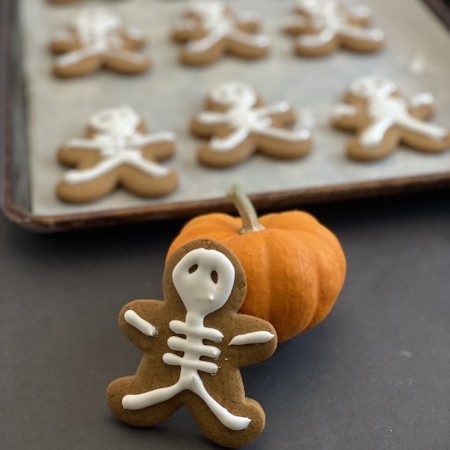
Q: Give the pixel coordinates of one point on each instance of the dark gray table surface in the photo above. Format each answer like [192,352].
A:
[374,375]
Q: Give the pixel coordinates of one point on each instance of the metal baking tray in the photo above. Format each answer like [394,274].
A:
[38,112]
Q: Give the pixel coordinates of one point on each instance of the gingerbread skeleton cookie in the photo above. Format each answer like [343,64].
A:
[194,343]
[382,118]
[116,151]
[239,125]
[211,28]
[321,26]
[98,38]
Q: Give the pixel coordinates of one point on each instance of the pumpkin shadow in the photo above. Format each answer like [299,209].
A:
[292,365]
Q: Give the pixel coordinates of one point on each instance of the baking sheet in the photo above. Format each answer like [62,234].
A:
[417,57]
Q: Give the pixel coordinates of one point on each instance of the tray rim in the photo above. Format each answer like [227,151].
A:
[279,199]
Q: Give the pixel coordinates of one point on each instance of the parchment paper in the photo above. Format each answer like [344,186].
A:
[417,57]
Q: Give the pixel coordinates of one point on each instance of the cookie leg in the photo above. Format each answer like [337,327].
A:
[283,144]
[146,417]
[360,152]
[318,44]
[77,63]
[126,61]
[202,51]
[145,185]
[221,434]
[225,417]
[420,134]
[88,191]
[228,151]
[425,143]
[247,45]
[362,39]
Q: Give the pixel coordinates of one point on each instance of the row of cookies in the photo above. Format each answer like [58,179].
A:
[209,29]
[118,150]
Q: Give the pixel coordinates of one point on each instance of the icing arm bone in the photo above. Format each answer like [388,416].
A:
[139,323]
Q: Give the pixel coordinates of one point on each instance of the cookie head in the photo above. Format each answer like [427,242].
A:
[121,121]
[316,5]
[204,276]
[369,86]
[204,279]
[90,19]
[232,94]
[207,8]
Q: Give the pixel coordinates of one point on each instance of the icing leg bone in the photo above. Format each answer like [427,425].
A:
[117,151]
[239,126]
[321,26]
[382,118]
[206,286]
[98,38]
[211,28]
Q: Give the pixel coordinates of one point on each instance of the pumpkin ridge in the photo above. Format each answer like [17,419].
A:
[323,302]
[257,253]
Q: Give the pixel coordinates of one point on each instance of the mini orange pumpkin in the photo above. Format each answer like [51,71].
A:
[295,266]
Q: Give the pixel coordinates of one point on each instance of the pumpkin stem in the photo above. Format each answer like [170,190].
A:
[245,209]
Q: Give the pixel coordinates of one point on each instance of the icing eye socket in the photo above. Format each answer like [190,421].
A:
[214,277]
[193,268]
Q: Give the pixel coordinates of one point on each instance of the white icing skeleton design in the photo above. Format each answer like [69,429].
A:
[201,295]
[249,126]
[377,111]
[323,25]
[212,28]
[115,139]
[98,37]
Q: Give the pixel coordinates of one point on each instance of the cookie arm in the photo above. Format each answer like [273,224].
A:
[345,116]
[295,24]
[135,320]
[157,146]
[135,37]
[64,41]
[359,15]
[249,21]
[205,123]
[79,153]
[139,321]
[185,30]
[421,105]
[254,340]
[280,113]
